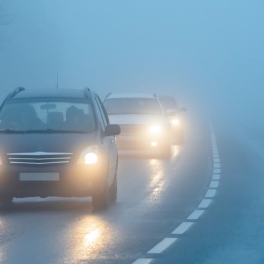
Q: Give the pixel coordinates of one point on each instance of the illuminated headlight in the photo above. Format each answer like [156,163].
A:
[89,155]
[153,144]
[90,158]
[175,121]
[155,129]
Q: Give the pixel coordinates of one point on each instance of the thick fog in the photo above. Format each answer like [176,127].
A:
[207,53]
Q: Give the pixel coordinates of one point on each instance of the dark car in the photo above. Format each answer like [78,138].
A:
[57,143]
[176,120]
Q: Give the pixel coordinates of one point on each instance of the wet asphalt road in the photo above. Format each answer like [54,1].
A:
[154,197]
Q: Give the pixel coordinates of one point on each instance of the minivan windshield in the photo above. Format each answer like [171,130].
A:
[49,116]
[130,106]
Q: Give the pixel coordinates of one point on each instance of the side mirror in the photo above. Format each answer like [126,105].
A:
[183,109]
[112,130]
[170,112]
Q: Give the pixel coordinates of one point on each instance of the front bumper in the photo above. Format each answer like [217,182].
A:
[138,142]
[74,181]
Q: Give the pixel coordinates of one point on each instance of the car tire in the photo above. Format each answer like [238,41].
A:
[6,201]
[100,200]
[113,190]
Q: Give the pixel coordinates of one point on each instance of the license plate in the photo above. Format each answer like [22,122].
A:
[32,176]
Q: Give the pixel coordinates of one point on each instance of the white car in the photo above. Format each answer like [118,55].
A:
[143,122]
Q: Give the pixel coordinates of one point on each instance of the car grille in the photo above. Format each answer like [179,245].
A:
[39,158]
[133,129]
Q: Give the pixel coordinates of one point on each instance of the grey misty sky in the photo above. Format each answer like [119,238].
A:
[199,50]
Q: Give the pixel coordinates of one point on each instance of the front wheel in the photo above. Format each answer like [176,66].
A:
[100,200]
[113,191]
[6,201]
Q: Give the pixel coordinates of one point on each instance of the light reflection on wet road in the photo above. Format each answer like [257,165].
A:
[86,238]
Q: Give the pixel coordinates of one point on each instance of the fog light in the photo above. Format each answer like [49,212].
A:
[153,144]
[90,158]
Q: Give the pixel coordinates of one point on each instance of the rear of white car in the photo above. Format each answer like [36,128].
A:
[143,122]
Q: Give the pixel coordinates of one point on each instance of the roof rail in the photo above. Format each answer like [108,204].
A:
[107,95]
[15,92]
[87,92]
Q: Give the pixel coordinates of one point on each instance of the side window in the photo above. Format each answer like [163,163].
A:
[104,111]
[101,111]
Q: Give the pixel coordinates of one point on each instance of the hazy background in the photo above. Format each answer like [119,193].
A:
[208,53]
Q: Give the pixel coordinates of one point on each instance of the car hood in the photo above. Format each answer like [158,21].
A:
[45,142]
[137,119]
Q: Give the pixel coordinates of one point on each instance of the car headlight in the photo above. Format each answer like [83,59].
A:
[155,129]
[175,122]
[89,155]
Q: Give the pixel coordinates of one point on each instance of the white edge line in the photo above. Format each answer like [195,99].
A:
[215,149]
[214,184]
[161,246]
[205,203]
[182,228]
[195,214]
[210,193]
[217,165]
[142,261]
[216,177]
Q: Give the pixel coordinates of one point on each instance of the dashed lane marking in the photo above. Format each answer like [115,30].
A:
[182,228]
[161,246]
[214,148]
[142,261]
[216,176]
[217,165]
[205,203]
[195,214]
[210,193]
[214,184]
